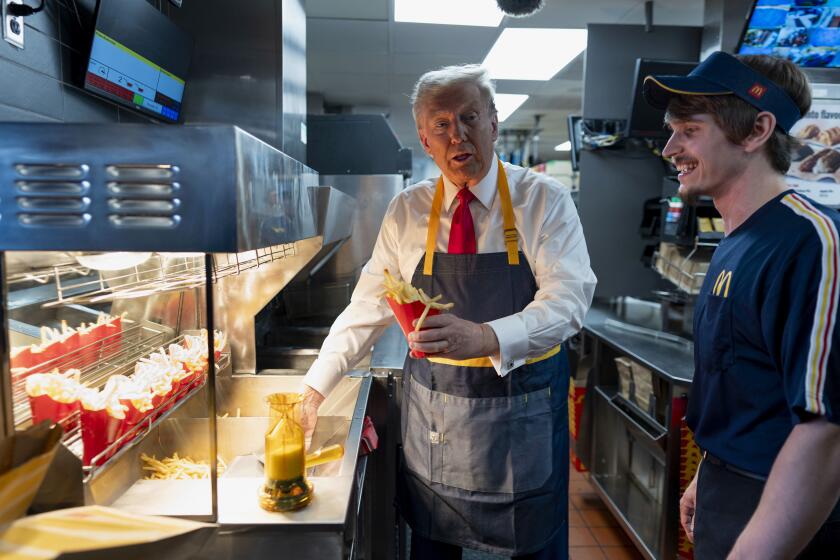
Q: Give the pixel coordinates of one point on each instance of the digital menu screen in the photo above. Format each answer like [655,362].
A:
[139,58]
[806,32]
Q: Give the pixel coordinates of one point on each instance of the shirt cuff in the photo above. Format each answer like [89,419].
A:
[322,377]
[513,344]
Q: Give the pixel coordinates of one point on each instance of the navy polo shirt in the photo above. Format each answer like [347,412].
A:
[767,344]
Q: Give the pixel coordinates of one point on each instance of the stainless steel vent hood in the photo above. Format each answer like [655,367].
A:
[119,187]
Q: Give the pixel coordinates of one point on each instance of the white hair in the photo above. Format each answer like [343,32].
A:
[432,83]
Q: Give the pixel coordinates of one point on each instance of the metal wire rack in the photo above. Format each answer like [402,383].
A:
[120,446]
[116,353]
[162,272]
[686,272]
[45,275]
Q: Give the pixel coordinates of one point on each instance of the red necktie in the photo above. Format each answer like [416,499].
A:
[462,231]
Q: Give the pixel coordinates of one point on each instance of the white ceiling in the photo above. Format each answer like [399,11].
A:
[357,55]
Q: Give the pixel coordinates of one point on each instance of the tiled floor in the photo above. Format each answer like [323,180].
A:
[593,531]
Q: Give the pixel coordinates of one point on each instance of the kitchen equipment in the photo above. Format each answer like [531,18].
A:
[326,454]
[227,233]
[286,487]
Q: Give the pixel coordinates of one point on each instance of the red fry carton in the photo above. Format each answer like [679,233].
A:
[46,352]
[407,313]
[109,334]
[99,430]
[133,416]
[21,357]
[69,346]
[45,407]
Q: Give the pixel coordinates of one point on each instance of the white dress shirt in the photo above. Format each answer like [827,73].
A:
[550,236]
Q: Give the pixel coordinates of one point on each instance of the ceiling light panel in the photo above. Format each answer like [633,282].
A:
[507,103]
[479,13]
[533,54]
[564,147]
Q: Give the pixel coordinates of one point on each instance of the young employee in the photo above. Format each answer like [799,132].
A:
[765,401]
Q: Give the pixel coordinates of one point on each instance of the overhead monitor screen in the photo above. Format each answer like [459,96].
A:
[139,58]
[644,120]
[807,32]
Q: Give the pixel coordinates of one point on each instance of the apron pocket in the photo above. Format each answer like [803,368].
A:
[415,436]
[499,445]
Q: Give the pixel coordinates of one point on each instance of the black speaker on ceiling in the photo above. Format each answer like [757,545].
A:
[520,8]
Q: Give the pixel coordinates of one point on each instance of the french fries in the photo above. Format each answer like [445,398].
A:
[178,468]
[403,292]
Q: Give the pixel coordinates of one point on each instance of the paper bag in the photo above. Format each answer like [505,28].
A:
[95,532]
[24,460]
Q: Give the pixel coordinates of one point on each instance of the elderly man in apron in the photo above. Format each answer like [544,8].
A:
[484,417]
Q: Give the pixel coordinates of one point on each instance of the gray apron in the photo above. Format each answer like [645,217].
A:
[485,461]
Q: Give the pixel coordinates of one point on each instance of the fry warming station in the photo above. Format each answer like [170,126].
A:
[125,247]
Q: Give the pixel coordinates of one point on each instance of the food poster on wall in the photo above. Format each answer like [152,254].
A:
[806,32]
[815,161]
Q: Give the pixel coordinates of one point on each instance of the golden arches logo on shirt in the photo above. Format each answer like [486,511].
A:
[721,287]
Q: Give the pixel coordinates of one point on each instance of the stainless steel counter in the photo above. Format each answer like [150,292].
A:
[634,451]
[322,530]
[672,360]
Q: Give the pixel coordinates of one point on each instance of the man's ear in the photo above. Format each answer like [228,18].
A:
[424,140]
[765,124]
[494,122]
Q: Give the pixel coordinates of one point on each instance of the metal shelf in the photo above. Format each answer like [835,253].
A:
[97,361]
[69,269]
[135,436]
[115,355]
[162,272]
[681,270]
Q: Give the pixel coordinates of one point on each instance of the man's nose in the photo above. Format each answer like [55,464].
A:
[671,148]
[458,133]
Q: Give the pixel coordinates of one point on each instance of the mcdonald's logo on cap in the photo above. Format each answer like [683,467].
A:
[757,90]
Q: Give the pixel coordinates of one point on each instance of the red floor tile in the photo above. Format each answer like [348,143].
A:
[621,553]
[580,487]
[574,475]
[575,519]
[594,533]
[598,518]
[610,536]
[586,553]
[580,536]
[587,501]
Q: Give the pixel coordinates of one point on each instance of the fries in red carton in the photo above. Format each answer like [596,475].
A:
[108,330]
[53,396]
[44,353]
[103,421]
[137,401]
[88,347]
[21,357]
[409,304]
[159,374]
[69,340]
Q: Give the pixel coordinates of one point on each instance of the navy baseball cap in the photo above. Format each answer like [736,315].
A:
[723,74]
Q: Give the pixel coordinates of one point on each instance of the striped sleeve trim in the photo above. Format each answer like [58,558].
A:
[825,314]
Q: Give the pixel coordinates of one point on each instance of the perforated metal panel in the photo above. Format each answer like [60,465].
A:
[124,187]
[52,195]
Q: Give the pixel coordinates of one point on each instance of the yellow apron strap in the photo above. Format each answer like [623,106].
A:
[431,232]
[508,221]
[485,362]
[511,236]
